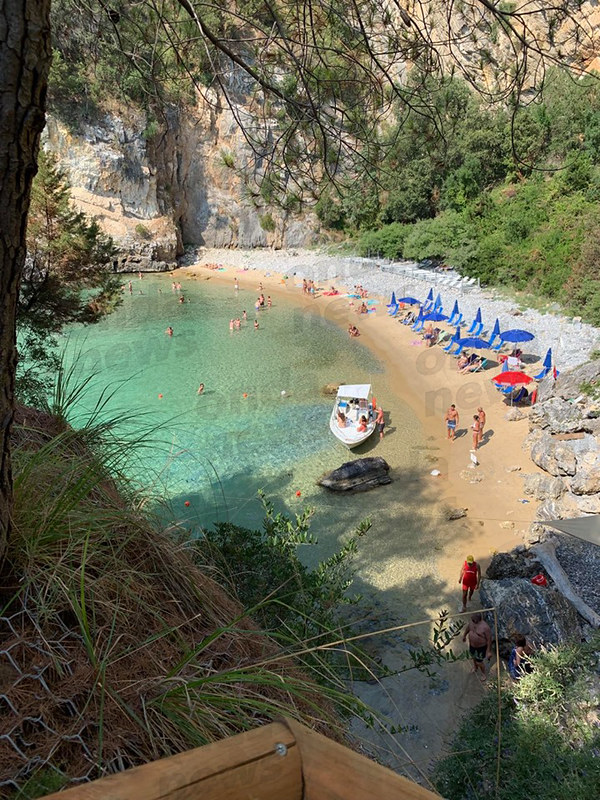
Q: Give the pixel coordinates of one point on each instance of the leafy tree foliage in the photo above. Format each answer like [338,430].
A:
[66,277]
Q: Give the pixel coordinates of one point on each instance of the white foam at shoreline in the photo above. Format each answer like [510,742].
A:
[571,342]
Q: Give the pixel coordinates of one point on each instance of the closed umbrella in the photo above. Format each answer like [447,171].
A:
[516,335]
[438,303]
[496,331]
[429,296]
[455,311]
[392,302]
[478,316]
[548,358]
[411,301]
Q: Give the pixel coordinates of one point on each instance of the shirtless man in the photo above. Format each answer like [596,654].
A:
[481,415]
[380,421]
[480,643]
[451,419]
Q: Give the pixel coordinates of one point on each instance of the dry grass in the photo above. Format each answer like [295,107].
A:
[115,648]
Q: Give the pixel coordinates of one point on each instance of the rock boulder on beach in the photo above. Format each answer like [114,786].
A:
[539,612]
[556,416]
[555,457]
[357,476]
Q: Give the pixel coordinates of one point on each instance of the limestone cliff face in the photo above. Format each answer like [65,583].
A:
[181,185]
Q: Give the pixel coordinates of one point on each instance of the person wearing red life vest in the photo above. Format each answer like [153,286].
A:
[470,578]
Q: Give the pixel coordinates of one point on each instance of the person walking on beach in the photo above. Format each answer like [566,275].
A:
[481,415]
[480,643]
[470,578]
[476,431]
[451,419]
[380,422]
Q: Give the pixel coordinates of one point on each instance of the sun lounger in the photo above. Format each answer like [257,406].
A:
[419,325]
[520,395]
[482,365]
[497,347]
[393,309]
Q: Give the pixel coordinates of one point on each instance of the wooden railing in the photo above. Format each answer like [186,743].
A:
[281,761]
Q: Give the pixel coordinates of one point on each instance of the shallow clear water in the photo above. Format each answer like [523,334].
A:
[218,449]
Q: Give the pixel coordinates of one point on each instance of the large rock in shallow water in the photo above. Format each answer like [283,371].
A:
[538,612]
[357,476]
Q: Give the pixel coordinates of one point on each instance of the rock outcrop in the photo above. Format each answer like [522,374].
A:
[539,612]
[556,416]
[552,456]
[192,179]
[357,476]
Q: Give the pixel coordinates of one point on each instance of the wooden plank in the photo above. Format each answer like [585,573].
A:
[246,766]
[334,772]
[566,437]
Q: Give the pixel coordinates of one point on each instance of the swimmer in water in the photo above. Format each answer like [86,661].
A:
[201,389]
[269,301]
[245,316]
[255,324]
[181,299]
[230,324]
[169,331]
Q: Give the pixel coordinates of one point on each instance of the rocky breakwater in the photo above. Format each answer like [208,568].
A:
[564,442]
[357,476]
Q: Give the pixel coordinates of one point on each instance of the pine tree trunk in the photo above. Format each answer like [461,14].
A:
[24,62]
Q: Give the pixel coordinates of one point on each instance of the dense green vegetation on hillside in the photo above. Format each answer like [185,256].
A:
[540,737]
[521,214]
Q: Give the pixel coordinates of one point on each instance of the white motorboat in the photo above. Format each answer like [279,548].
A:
[351,404]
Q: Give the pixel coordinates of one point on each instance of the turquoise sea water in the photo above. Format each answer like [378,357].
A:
[213,452]
[221,447]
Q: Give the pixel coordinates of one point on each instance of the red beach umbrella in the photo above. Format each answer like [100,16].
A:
[514,378]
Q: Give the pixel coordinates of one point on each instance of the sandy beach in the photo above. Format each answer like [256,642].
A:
[427,380]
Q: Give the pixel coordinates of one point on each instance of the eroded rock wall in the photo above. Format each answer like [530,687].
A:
[156,187]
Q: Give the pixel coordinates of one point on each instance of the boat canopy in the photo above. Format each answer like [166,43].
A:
[360,391]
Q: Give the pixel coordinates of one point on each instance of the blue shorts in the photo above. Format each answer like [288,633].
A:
[451,423]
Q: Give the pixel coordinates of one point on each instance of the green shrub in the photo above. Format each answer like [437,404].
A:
[142,231]
[547,749]
[387,242]
[267,223]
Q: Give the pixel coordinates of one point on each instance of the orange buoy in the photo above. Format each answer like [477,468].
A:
[160,396]
[245,395]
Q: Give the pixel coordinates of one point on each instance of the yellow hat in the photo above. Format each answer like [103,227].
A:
[470,559]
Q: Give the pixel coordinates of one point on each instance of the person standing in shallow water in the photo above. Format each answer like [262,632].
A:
[380,422]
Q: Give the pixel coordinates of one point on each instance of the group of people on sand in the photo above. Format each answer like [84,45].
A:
[308,287]
[452,419]
[353,331]
[362,293]
[479,634]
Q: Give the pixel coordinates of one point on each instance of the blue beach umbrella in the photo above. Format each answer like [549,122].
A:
[516,335]
[474,342]
[478,315]
[496,331]
[455,310]
[411,301]
[438,303]
[435,316]
[392,301]
[548,359]
[430,296]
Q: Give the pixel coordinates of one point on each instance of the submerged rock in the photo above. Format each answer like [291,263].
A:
[357,476]
[331,388]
